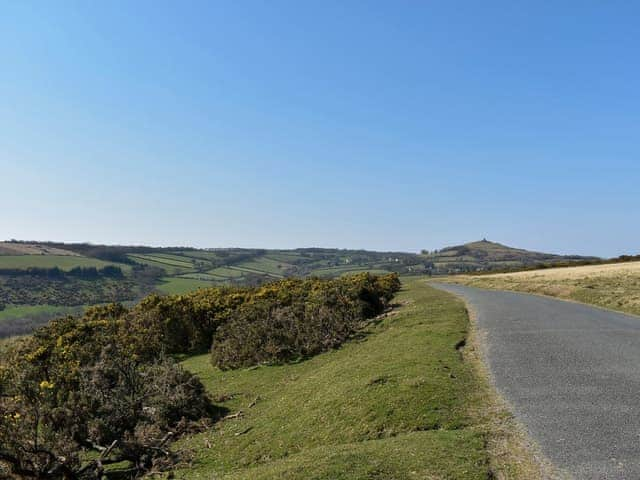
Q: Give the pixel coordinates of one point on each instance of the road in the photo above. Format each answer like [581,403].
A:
[572,375]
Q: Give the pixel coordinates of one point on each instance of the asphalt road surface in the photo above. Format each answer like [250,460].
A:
[571,374]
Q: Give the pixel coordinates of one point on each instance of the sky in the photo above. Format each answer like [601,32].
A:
[386,125]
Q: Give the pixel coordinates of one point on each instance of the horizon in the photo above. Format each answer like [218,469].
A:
[370,126]
[176,247]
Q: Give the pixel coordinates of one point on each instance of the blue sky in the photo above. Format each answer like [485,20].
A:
[383,125]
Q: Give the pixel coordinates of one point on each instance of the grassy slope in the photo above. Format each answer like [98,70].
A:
[615,286]
[398,404]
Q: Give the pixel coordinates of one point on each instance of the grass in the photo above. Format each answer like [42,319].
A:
[21,311]
[167,265]
[63,262]
[284,257]
[200,255]
[178,285]
[169,259]
[266,265]
[247,269]
[614,286]
[203,276]
[345,270]
[399,403]
[225,272]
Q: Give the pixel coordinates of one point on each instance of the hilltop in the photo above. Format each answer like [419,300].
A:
[485,255]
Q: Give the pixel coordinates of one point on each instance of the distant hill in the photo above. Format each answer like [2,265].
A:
[484,255]
[40,280]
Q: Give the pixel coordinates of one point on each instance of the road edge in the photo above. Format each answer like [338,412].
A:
[543,295]
[512,451]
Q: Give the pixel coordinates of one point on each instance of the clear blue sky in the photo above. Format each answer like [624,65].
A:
[391,125]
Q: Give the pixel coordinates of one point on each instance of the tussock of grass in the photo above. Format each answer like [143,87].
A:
[399,403]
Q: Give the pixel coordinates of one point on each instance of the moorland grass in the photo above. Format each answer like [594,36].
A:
[398,403]
[613,286]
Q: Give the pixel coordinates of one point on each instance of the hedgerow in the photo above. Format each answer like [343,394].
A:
[295,319]
[105,383]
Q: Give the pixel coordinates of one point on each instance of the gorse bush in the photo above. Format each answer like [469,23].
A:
[59,401]
[294,319]
[84,393]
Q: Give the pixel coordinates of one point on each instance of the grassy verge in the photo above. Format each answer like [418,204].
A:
[613,286]
[400,403]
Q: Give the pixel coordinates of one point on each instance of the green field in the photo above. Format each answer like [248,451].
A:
[284,257]
[168,266]
[203,276]
[247,269]
[178,285]
[399,404]
[176,260]
[63,262]
[225,272]
[266,264]
[22,311]
[200,254]
[345,270]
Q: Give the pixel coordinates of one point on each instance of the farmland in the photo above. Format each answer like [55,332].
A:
[51,276]
[63,262]
[251,266]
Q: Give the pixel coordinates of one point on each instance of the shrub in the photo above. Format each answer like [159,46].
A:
[59,402]
[101,382]
[294,319]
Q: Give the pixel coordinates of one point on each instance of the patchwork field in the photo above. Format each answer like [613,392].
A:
[615,286]
[179,285]
[251,266]
[63,262]
[401,403]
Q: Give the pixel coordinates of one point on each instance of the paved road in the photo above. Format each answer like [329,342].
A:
[572,375]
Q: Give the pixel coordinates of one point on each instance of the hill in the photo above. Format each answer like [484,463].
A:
[42,280]
[484,255]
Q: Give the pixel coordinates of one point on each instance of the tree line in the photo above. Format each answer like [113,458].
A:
[83,273]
